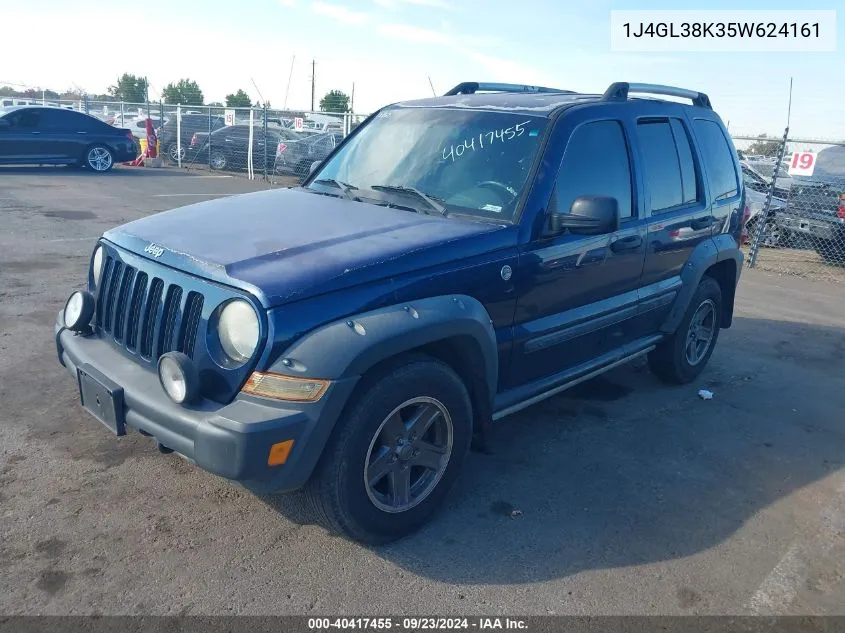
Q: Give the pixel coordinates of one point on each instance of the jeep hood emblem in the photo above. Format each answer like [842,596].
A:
[154,249]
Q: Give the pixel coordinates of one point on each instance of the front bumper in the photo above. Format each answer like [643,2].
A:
[231,440]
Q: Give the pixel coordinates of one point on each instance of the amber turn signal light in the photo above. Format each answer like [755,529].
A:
[287,388]
[279,453]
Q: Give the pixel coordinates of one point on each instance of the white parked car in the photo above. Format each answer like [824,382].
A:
[138,125]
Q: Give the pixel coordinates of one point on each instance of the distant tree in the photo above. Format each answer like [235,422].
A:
[335,101]
[129,88]
[184,91]
[238,100]
[215,104]
[763,147]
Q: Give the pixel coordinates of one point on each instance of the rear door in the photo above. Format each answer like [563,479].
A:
[678,208]
[65,134]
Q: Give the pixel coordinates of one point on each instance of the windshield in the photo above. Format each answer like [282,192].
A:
[473,162]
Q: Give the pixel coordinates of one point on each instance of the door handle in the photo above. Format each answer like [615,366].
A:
[702,223]
[78,132]
[626,243]
[35,132]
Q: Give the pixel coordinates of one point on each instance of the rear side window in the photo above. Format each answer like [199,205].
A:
[596,163]
[718,159]
[660,164]
[689,190]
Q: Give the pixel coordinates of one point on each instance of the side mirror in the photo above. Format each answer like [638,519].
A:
[588,215]
[314,166]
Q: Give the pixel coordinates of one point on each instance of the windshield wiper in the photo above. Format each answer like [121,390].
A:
[429,200]
[345,188]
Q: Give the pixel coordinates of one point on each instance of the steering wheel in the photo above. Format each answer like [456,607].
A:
[503,190]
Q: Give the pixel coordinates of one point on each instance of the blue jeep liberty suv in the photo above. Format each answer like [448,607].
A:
[454,260]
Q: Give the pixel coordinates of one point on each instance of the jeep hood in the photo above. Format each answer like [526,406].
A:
[288,244]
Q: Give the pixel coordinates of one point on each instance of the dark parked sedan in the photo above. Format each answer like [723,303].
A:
[43,135]
[228,147]
[190,125]
[297,157]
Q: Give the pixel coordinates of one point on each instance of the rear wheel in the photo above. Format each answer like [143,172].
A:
[396,453]
[218,160]
[174,152]
[682,357]
[774,234]
[99,158]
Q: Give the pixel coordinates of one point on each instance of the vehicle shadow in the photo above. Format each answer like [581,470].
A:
[624,470]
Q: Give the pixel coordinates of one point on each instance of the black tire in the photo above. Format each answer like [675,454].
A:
[98,158]
[776,235]
[172,153]
[670,360]
[218,159]
[342,499]
[831,251]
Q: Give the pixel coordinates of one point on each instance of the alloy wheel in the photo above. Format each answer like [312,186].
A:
[702,327]
[408,454]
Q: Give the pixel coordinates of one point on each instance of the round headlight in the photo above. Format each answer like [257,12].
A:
[178,377]
[97,266]
[78,311]
[237,329]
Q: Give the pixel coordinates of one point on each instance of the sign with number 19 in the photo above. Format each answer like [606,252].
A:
[802,164]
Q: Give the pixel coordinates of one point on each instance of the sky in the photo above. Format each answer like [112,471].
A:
[390,49]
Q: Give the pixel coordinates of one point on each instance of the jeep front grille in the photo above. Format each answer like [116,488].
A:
[146,316]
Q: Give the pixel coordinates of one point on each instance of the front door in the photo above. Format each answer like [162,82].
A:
[578,293]
[20,141]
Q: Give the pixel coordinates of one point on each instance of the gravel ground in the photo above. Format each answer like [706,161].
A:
[634,498]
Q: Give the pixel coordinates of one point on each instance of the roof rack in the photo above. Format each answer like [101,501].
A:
[471,87]
[619,92]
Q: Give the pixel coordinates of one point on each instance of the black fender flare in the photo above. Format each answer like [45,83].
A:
[351,346]
[705,255]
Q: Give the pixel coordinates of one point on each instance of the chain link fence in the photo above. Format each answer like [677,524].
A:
[797,222]
[274,145]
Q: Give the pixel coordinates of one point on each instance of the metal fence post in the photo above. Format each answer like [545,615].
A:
[179,134]
[265,142]
[85,102]
[208,138]
[766,213]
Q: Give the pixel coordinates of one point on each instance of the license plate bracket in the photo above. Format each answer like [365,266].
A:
[102,398]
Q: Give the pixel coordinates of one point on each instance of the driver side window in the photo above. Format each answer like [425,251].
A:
[595,163]
[24,119]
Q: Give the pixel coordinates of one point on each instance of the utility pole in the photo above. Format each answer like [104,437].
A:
[352,100]
[313,78]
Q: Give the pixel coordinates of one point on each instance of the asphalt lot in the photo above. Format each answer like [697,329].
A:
[635,498]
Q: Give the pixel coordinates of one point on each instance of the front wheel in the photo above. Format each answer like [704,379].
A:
[682,357]
[392,460]
[99,158]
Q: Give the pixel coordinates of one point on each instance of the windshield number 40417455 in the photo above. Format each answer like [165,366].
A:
[485,139]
